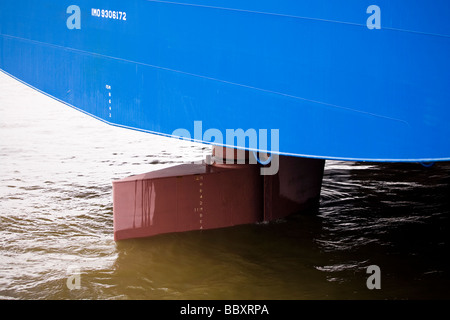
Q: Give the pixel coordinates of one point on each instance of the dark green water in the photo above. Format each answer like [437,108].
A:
[56,168]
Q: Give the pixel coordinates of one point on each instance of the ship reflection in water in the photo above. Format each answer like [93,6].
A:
[56,217]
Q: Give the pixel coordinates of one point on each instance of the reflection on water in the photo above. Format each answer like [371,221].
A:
[56,168]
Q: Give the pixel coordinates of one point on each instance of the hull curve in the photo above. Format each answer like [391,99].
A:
[360,81]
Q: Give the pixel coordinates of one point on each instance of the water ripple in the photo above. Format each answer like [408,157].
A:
[56,213]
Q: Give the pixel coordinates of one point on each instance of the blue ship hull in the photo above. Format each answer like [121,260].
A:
[353,80]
